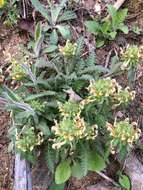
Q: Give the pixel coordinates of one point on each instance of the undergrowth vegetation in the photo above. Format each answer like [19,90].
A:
[65,104]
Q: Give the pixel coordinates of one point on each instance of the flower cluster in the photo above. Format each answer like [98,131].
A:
[131,57]
[68,50]
[72,127]
[124,96]
[17,72]
[2,3]
[27,140]
[103,88]
[111,90]
[69,109]
[123,133]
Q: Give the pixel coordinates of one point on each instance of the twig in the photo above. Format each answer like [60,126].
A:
[107,178]
[119,3]
[108,58]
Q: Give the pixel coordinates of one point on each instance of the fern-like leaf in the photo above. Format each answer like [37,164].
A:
[50,158]
[84,159]
[80,46]
[91,60]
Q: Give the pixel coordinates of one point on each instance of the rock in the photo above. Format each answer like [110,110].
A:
[134,169]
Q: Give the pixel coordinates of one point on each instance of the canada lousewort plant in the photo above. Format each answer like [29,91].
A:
[123,134]
[72,127]
[131,57]
[68,50]
[109,89]
[27,140]
[17,72]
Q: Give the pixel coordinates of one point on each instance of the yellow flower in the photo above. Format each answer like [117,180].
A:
[2,2]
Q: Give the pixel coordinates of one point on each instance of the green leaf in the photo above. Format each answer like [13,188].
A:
[38,45]
[96,162]
[136,29]
[63,172]
[77,171]
[80,46]
[43,127]
[57,187]
[67,15]
[54,37]
[92,26]
[125,182]
[124,28]
[106,26]
[99,43]
[64,30]
[112,11]
[40,8]
[38,31]
[121,15]
[9,94]
[113,34]
[95,68]
[55,11]
[35,96]
[22,115]
[50,48]
[50,158]
[84,159]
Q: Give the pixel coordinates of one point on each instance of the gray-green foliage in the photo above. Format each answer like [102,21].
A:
[48,80]
[56,15]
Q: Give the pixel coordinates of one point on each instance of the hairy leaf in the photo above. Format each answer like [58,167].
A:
[92,26]
[77,171]
[35,96]
[63,172]
[40,8]
[67,15]
[96,162]
[64,30]
[125,182]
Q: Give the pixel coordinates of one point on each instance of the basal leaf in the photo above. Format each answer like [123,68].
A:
[55,11]
[77,171]
[54,37]
[40,95]
[43,127]
[106,27]
[67,15]
[112,11]
[63,172]
[121,15]
[38,31]
[96,162]
[64,30]
[57,187]
[125,182]
[124,28]
[99,43]
[92,26]
[50,48]
[40,8]
[38,45]
[113,34]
